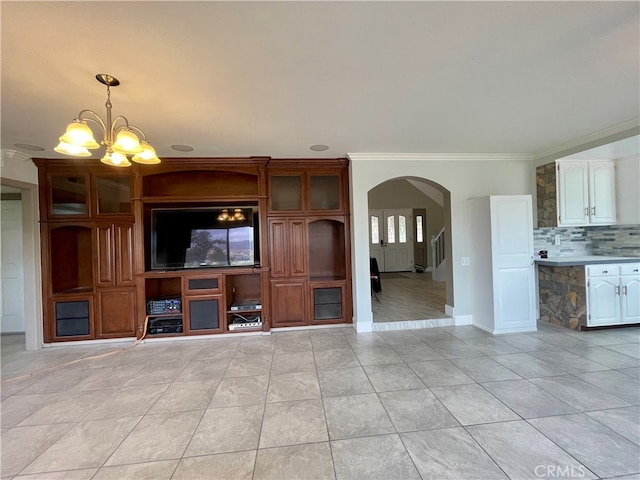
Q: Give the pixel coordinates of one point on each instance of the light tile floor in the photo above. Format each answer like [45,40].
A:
[409,296]
[452,402]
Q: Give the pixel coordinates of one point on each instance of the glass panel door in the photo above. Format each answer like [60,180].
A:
[398,247]
[69,195]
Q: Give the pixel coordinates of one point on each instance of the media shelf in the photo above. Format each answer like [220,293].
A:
[204,301]
[243,294]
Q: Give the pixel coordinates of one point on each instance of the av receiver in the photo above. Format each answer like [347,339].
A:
[161,307]
[164,325]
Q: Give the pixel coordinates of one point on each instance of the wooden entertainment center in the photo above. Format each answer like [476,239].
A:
[98,239]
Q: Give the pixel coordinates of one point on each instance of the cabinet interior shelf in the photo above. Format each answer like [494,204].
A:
[73,291]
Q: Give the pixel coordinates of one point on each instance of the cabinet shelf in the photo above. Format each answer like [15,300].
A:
[76,290]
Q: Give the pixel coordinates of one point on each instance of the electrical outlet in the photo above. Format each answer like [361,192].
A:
[557,239]
[464,261]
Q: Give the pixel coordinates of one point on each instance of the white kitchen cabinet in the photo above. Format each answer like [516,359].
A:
[613,294]
[630,293]
[586,192]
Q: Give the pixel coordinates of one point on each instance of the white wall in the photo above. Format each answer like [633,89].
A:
[19,171]
[627,191]
[465,176]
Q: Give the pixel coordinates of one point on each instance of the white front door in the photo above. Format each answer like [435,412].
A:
[512,249]
[391,239]
[12,268]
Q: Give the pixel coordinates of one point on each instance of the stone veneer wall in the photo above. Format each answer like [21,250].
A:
[612,240]
[546,195]
[563,296]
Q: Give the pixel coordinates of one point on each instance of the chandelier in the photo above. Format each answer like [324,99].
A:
[117,135]
[236,216]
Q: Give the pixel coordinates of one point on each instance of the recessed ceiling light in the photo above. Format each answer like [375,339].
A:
[319,148]
[31,148]
[182,148]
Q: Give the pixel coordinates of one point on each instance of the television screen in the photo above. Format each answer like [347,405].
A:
[203,237]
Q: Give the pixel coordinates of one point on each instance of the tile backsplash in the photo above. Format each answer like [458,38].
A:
[612,240]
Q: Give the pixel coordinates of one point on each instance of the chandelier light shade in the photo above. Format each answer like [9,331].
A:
[120,138]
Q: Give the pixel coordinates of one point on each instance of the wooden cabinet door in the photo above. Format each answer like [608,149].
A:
[298,248]
[287,247]
[289,300]
[116,312]
[278,247]
[104,255]
[204,314]
[124,254]
[114,255]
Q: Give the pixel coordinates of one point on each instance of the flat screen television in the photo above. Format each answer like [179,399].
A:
[200,238]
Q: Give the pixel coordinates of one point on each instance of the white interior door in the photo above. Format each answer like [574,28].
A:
[512,249]
[12,269]
[391,239]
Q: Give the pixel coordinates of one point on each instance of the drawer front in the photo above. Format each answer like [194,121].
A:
[630,269]
[603,270]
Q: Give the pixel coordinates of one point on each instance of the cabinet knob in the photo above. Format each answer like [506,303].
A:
[635,269]
[605,271]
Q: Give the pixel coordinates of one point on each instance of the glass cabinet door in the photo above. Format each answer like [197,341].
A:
[68,194]
[114,194]
[286,192]
[324,192]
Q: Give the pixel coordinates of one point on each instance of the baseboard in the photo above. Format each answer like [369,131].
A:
[464,320]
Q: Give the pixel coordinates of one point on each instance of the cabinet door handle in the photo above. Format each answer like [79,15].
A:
[605,271]
[586,211]
[624,290]
[635,270]
[593,211]
[618,290]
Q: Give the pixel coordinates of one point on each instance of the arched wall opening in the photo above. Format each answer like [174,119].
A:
[416,195]
[464,176]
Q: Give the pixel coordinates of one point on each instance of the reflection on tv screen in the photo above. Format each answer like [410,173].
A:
[220,247]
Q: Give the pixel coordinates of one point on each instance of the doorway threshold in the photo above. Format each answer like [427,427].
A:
[412,324]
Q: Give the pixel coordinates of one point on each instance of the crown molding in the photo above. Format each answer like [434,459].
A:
[8,154]
[601,137]
[442,157]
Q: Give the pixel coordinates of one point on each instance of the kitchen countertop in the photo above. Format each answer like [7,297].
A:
[583,260]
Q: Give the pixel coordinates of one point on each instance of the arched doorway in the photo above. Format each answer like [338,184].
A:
[405,215]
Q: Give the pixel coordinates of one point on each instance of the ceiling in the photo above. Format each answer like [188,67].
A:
[274,78]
